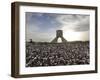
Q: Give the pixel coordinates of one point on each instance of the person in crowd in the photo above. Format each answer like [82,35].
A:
[46,54]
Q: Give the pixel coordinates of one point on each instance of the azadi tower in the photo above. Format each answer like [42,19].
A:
[59,34]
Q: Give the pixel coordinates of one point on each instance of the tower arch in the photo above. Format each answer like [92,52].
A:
[59,34]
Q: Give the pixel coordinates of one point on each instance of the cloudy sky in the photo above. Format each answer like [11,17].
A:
[41,27]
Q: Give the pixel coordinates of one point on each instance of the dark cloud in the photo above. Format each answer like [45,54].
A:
[46,24]
[75,22]
[43,21]
[82,27]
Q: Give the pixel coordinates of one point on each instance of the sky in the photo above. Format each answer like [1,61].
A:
[41,27]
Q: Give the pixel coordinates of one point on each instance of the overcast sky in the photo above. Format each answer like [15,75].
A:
[41,27]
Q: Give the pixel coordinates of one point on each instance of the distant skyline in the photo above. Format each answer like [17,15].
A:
[41,27]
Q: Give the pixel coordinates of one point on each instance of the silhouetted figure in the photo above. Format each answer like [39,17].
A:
[31,41]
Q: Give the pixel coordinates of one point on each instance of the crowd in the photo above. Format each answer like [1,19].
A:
[55,54]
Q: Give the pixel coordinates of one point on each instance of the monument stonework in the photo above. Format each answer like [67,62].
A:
[59,34]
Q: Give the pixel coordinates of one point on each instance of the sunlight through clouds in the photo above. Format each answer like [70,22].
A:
[42,26]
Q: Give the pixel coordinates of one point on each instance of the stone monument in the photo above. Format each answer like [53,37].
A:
[59,34]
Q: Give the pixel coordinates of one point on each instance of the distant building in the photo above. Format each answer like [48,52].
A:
[31,40]
[59,34]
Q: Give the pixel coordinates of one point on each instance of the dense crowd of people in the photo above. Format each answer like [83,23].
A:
[56,54]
